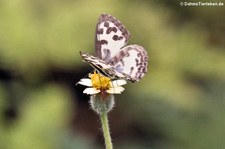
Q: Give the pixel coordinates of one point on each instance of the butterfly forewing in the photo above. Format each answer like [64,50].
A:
[111,36]
[100,65]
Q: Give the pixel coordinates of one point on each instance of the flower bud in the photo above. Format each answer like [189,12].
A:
[100,103]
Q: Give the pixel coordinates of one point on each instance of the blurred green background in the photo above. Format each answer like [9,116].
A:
[179,104]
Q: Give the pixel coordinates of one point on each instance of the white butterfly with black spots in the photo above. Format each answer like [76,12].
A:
[112,58]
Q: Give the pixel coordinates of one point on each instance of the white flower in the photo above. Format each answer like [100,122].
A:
[101,84]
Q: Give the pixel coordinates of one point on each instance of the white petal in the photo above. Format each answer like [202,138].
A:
[115,90]
[91,91]
[119,82]
[85,82]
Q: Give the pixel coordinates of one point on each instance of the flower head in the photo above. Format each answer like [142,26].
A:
[101,84]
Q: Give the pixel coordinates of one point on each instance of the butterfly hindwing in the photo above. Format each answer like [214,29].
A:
[111,36]
[131,62]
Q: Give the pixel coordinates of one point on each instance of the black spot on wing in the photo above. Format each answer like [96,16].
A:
[115,37]
[106,24]
[100,31]
[103,42]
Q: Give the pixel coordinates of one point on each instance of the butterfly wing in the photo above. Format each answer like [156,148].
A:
[100,65]
[130,63]
[111,36]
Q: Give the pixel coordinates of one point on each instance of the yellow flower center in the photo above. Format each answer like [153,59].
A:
[100,82]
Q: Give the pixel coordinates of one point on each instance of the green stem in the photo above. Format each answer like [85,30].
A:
[105,129]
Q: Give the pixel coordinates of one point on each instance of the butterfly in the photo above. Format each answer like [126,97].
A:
[112,58]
